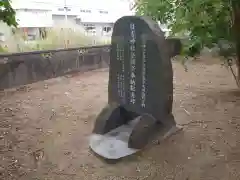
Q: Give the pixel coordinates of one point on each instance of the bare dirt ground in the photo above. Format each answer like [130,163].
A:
[44,130]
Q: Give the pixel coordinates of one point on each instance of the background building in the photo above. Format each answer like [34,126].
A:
[92,17]
[95,17]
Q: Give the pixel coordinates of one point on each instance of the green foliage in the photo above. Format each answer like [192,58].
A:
[7,13]
[203,22]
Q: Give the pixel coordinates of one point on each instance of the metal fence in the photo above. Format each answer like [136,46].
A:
[24,68]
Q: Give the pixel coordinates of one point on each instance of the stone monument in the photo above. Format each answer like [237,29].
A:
[140,89]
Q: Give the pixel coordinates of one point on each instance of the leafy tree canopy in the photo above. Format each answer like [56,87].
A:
[7,13]
[204,21]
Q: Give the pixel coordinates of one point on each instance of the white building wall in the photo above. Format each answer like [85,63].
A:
[37,13]
[33,18]
[32,4]
[59,20]
[5,31]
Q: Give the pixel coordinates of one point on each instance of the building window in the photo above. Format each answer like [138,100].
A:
[2,37]
[107,29]
[103,12]
[62,9]
[89,27]
[85,10]
[78,21]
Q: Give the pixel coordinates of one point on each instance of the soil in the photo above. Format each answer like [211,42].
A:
[44,130]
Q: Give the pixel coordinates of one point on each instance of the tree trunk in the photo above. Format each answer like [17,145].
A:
[236,29]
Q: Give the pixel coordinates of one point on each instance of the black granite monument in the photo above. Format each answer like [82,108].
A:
[140,80]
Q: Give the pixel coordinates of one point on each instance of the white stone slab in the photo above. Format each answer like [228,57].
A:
[114,144]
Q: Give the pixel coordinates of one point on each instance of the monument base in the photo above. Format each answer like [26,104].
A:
[116,144]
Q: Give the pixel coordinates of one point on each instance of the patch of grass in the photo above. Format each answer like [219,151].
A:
[57,37]
[3,49]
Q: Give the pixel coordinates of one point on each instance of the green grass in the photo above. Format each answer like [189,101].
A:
[55,40]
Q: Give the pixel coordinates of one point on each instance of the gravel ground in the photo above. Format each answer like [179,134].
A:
[44,130]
